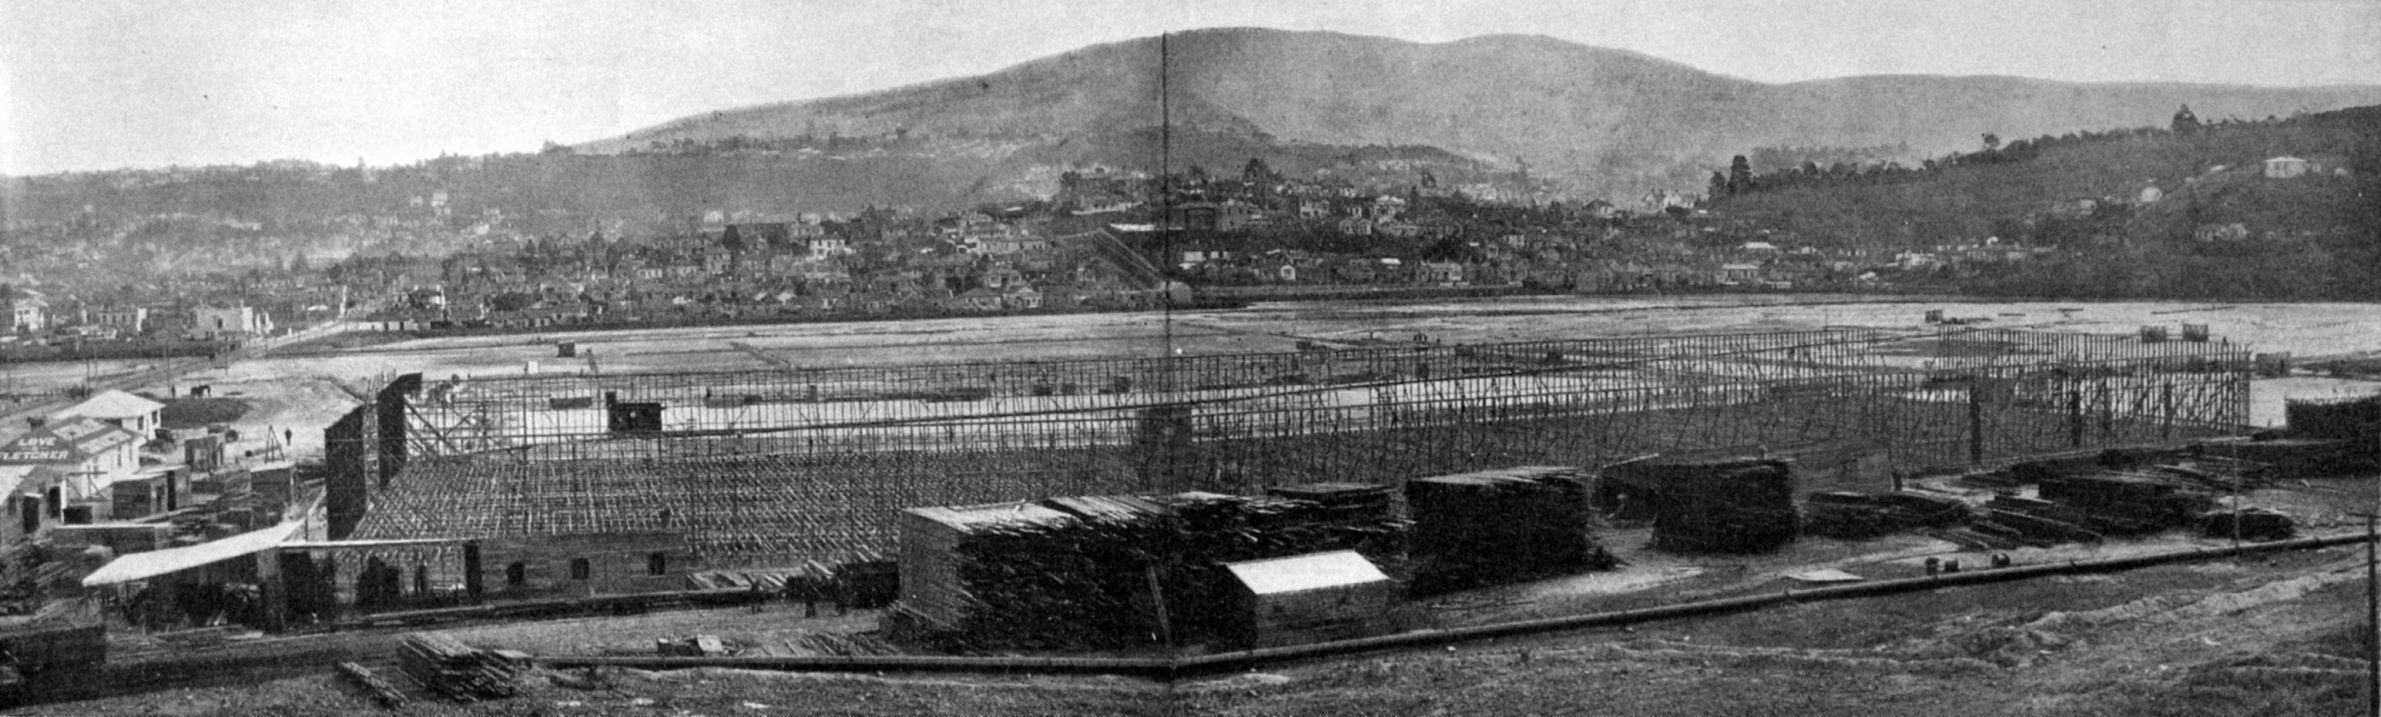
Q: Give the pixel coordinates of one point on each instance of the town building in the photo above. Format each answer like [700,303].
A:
[88,454]
[117,408]
[26,310]
[228,322]
[2285,167]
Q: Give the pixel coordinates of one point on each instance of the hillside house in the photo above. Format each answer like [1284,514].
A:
[1442,273]
[2285,167]
[2221,232]
[27,311]
[1740,273]
[126,320]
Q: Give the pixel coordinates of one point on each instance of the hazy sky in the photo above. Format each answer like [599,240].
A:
[92,84]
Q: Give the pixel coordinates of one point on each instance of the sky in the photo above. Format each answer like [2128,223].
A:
[103,84]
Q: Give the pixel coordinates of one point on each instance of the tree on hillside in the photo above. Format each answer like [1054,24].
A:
[1256,172]
[2184,121]
[1992,142]
[1740,175]
[1719,186]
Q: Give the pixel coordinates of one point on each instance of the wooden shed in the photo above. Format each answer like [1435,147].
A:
[1312,598]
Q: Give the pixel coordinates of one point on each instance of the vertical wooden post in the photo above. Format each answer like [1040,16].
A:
[2074,419]
[272,589]
[1976,420]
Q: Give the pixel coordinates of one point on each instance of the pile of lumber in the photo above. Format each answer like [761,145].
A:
[696,646]
[1029,577]
[2354,419]
[1080,573]
[1728,506]
[1501,526]
[2139,501]
[460,672]
[2250,524]
[855,644]
[1349,502]
[1213,529]
[2303,457]
[1860,516]
[372,684]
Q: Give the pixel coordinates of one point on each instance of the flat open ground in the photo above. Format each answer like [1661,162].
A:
[2304,330]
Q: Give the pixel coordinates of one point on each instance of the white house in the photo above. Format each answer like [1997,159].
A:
[129,319]
[215,322]
[120,409]
[25,309]
[2284,167]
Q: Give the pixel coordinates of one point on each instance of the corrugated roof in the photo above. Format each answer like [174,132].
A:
[114,404]
[141,566]
[1306,572]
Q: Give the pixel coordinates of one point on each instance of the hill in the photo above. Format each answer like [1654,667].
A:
[2299,238]
[1602,121]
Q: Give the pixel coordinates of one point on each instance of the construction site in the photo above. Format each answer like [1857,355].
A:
[793,467]
[1184,514]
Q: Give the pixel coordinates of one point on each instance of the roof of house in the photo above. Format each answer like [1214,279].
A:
[62,442]
[113,404]
[1300,573]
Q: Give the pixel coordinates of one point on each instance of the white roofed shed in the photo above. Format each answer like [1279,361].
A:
[1312,598]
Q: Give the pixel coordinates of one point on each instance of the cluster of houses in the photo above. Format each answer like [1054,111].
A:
[759,267]
[33,316]
[108,459]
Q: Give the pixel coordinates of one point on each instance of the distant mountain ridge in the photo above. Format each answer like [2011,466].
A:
[1601,121]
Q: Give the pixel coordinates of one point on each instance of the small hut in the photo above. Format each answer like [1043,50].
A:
[1311,598]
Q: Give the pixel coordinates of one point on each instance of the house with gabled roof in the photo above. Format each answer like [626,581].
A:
[123,410]
[92,454]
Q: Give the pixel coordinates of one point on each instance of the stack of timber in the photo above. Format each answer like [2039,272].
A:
[1213,529]
[1103,572]
[1022,576]
[1728,506]
[2133,501]
[2250,524]
[1348,502]
[2301,457]
[372,684]
[1501,526]
[2039,523]
[871,580]
[2351,420]
[460,672]
[859,644]
[1860,516]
